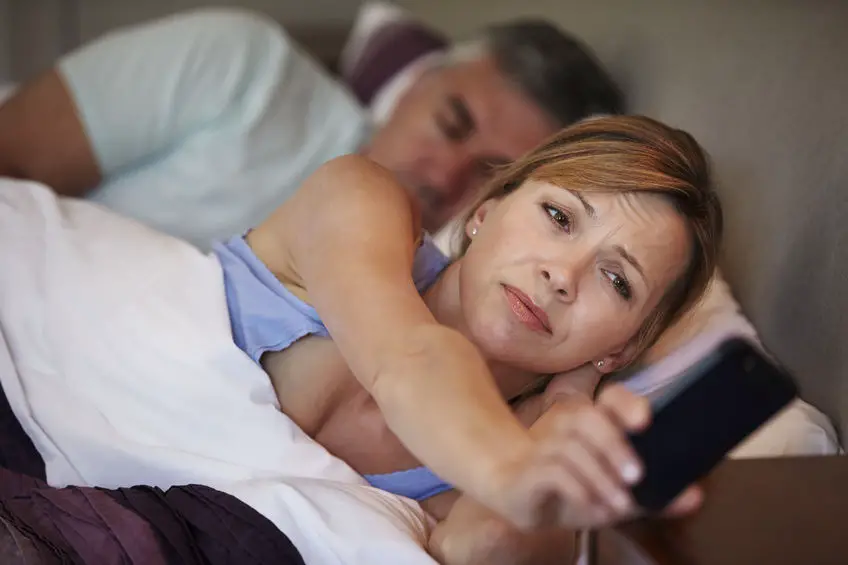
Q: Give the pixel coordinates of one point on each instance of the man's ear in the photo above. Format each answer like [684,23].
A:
[475,222]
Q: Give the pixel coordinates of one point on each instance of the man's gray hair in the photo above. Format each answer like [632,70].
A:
[555,70]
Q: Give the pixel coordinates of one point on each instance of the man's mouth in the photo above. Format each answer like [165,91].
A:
[527,312]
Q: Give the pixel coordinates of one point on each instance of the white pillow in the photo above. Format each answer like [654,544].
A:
[799,430]
[370,17]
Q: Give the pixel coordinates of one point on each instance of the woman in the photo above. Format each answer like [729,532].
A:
[580,253]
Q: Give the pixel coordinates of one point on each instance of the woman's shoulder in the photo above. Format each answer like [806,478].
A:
[352,190]
[358,178]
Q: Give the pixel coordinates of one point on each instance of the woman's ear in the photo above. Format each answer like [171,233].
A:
[476,220]
[619,360]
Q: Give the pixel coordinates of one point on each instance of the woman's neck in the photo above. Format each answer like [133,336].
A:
[443,300]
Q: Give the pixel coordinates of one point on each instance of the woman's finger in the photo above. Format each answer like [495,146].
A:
[601,479]
[596,429]
[630,411]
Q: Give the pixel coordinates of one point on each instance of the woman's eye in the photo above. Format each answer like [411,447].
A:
[562,219]
[620,284]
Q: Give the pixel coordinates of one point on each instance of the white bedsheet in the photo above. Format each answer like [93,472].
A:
[116,356]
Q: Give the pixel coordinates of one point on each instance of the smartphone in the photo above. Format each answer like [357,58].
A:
[728,389]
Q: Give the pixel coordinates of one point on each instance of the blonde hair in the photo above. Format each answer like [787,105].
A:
[630,154]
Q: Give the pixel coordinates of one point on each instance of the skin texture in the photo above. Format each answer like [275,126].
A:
[427,379]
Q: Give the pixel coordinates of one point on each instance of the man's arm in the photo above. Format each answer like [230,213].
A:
[135,93]
[43,139]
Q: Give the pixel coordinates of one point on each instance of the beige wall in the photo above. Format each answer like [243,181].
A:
[5,47]
[98,15]
[34,33]
[39,31]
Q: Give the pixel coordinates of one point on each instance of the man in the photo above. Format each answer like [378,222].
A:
[201,123]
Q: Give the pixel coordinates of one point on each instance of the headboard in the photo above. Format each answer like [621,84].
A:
[764,86]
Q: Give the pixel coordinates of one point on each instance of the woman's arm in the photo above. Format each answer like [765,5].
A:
[350,235]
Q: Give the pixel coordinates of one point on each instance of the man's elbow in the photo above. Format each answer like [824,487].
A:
[43,139]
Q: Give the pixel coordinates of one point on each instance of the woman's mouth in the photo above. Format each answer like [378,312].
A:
[526,311]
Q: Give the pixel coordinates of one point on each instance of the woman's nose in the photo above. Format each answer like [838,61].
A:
[561,281]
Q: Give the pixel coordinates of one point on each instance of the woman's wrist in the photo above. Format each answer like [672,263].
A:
[498,477]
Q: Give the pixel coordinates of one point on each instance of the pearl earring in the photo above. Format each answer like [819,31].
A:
[473,232]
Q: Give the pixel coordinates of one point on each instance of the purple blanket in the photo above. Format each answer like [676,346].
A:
[193,524]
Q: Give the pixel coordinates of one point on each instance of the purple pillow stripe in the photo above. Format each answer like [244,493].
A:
[387,53]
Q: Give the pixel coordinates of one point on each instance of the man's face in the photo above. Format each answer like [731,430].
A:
[448,131]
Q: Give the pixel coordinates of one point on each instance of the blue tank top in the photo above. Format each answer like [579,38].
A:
[266,316]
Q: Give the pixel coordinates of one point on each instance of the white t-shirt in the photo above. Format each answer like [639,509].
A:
[204,122]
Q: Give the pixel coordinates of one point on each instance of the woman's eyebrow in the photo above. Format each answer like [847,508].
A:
[590,210]
[631,259]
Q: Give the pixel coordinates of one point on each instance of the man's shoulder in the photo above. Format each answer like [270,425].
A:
[200,70]
[224,47]
[223,51]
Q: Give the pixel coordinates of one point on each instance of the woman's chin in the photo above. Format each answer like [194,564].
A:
[510,348]
[519,349]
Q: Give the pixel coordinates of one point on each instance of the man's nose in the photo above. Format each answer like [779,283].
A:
[451,175]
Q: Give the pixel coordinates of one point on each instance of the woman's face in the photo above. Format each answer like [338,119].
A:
[554,279]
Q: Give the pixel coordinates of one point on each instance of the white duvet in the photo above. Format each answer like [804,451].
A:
[117,358]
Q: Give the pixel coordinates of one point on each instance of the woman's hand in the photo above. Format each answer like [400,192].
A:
[582,467]
[471,534]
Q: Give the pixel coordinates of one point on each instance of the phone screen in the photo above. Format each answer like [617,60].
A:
[710,408]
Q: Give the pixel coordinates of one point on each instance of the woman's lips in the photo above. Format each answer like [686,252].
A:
[526,311]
